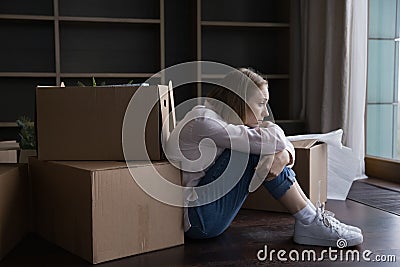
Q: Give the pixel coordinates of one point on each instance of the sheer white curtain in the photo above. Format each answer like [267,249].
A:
[332,68]
[355,121]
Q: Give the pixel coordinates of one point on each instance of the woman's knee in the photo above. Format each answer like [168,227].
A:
[281,183]
[285,173]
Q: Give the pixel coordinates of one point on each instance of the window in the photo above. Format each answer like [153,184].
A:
[382,127]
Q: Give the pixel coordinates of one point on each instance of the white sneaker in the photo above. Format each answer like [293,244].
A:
[325,231]
[321,206]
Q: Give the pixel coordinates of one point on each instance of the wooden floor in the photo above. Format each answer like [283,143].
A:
[238,246]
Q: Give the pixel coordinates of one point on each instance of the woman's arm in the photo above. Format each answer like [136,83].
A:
[289,146]
[263,141]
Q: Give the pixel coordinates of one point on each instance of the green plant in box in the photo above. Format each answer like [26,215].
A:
[27,133]
[93,83]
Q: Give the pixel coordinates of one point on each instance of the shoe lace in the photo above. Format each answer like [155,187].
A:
[327,213]
[327,217]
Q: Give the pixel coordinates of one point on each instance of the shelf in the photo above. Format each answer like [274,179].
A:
[27,46]
[292,127]
[276,76]
[255,35]
[268,76]
[264,49]
[289,121]
[19,96]
[26,17]
[78,75]
[149,9]
[244,24]
[244,10]
[109,20]
[108,75]
[279,98]
[46,42]
[8,125]
[27,7]
[109,48]
[27,74]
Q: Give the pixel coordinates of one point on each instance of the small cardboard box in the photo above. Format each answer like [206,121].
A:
[85,123]
[96,210]
[8,151]
[8,156]
[14,210]
[311,167]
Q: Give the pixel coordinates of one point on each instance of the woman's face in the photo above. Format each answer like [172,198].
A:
[258,107]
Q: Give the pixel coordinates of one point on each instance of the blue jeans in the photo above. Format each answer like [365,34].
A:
[213,219]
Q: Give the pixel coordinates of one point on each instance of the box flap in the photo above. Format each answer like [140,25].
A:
[164,105]
[308,143]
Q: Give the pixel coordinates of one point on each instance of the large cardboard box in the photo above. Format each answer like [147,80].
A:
[85,123]
[14,212]
[311,173]
[97,211]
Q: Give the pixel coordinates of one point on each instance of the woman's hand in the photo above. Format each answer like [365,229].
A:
[266,124]
[281,159]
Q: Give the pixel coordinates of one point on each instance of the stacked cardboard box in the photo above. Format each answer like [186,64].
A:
[98,212]
[85,123]
[84,196]
[14,207]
